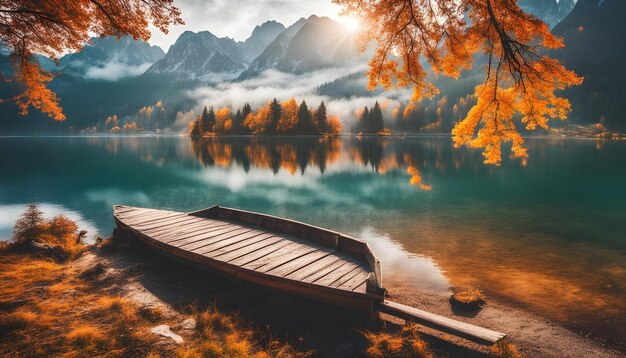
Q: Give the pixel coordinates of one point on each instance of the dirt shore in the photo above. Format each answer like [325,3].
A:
[154,281]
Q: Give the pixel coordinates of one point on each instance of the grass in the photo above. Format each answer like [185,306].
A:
[406,343]
[221,336]
[504,349]
[469,297]
[53,309]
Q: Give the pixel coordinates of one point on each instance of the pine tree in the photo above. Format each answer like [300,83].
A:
[211,119]
[363,125]
[322,118]
[275,113]
[237,123]
[245,111]
[196,129]
[305,121]
[376,119]
[29,225]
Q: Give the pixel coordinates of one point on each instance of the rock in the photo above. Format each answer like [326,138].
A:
[165,331]
[188,324]
[43,250]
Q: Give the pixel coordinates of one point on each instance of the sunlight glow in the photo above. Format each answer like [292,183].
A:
[351,23]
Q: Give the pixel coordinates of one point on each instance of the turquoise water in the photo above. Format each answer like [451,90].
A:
[437,216]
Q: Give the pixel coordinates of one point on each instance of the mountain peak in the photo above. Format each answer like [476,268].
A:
[261,36]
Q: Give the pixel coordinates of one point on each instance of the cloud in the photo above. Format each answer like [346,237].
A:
[115,70]
[275,84]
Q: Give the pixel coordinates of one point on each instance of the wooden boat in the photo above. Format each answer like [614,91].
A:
[281,254]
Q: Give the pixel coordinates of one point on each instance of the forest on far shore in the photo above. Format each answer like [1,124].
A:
[286,118]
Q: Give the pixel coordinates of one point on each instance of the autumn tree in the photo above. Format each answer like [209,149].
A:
[258,122]
[223,121]
[521,80]
[334,125]
[321,117]
[289,116]
[54,27]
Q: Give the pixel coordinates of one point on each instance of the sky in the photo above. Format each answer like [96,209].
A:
[237,18]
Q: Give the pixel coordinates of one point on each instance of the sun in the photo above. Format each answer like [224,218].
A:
[351,23]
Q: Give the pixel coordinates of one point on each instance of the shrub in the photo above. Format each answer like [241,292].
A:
[469,297]
[60,233]
[406,343]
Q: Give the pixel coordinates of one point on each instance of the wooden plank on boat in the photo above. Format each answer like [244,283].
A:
[198,227]
[290,267]
[314,267]
[180,233]
[179,230]
[284,254]
[212,232]
[255,252]
[231,254]
[440,323]
[218,238]
[233,243]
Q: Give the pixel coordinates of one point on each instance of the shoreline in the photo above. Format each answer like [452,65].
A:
[533,334]
[151,282]
[618,136]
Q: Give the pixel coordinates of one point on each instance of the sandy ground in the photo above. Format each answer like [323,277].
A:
[152,280]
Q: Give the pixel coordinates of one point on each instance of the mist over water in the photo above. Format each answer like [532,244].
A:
[547,233]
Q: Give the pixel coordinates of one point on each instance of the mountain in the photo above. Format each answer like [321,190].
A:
[550,11]
[261,36]
[108,58]
[594,48]
[197,55]
[307,45]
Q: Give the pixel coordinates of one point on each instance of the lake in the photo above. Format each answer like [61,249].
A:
[548,233]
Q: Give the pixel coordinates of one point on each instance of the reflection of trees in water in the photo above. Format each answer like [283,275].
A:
[267,153]
[298,154]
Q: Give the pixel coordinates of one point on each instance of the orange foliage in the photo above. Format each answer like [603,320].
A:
[36,92]
[334,124]
[53,27]
[289,116]
[223,121]
[519,78]
[259,122]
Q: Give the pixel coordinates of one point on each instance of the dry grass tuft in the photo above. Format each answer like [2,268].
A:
[469,297]
[406,343]
[86,337]
[17,320]
[504,349]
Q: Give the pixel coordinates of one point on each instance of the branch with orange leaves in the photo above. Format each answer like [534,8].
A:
[520,79]
[53,27]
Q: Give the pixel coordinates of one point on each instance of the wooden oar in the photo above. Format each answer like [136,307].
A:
[440,323]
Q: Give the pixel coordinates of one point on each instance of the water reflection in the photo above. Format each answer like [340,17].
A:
[296,155]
